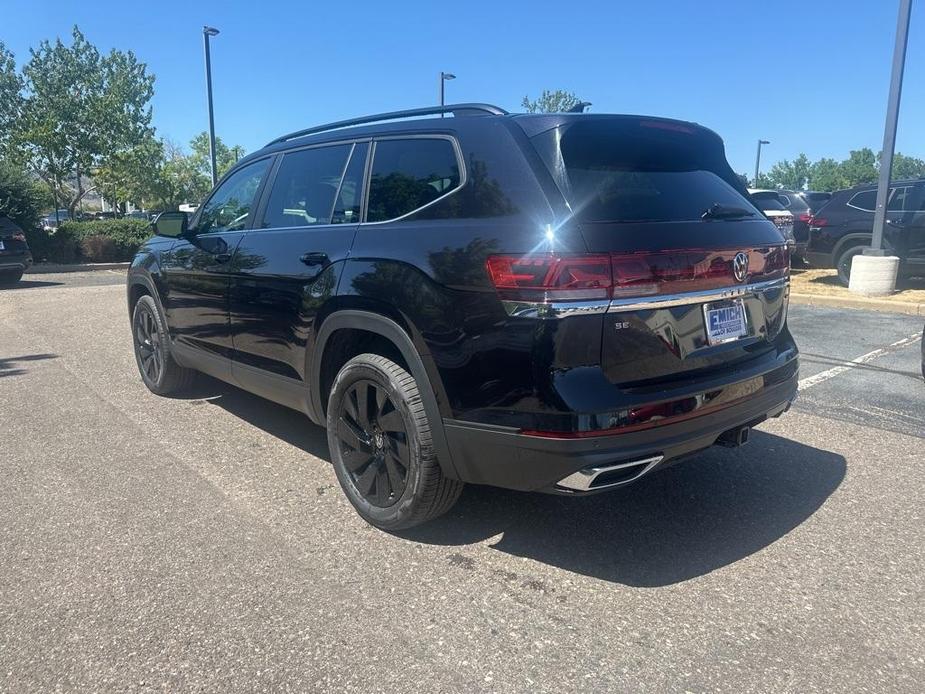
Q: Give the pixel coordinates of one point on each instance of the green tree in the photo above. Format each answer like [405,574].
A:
[225,156]
[906,167]
[21,198]
[134,175]
[81,110]
[860,167]
[10,97]
[825,175]
[790,175]
[556,101]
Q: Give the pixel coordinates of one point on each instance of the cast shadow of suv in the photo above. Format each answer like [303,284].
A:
[682,522]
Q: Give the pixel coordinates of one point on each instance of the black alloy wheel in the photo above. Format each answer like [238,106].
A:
[148,345]
[374,443]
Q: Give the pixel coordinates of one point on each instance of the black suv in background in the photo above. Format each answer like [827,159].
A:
[15,256]
[843,227]
[559,302]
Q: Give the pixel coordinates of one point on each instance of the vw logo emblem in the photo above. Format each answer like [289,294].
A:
[740,266]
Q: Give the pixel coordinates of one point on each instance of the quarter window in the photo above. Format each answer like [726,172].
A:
[409,174]
[228,207]
[305,187]
[865,200]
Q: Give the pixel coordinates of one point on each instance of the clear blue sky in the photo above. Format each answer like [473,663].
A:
[808,75]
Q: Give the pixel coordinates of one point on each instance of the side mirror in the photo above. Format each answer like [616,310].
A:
[171,224]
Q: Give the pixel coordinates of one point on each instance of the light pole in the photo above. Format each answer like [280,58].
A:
[889,131]
[444,78]
[758,159]
[208,32]
[874,272]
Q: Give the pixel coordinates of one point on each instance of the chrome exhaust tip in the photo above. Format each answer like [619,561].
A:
[591,479]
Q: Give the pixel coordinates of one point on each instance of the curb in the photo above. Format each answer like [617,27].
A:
[48,268]
[905,307]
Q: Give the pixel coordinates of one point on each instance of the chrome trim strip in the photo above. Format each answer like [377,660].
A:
[555,309]
[688,298]
[583,480]
[564,309]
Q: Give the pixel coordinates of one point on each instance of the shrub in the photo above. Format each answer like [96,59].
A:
[99,249]
[108,240]
[56,246]
[21,198]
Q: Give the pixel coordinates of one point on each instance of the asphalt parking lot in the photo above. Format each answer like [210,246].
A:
[203,543]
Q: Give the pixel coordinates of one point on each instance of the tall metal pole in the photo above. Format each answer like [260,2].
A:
[889,132]
[442,82]
[758,159]
[208,32]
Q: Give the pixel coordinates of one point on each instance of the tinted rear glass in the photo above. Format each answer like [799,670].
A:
[768,201]
[639,171]
[794,202]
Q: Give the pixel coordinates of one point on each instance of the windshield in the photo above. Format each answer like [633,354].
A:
[638,171]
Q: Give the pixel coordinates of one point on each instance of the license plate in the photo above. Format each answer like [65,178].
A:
[725,322]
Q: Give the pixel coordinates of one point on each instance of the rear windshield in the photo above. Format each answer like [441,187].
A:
[638,171]
[794,202]
[768,201]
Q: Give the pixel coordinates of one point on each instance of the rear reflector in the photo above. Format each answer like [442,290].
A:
[547,276]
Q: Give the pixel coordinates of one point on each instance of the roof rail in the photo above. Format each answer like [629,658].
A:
[455,109]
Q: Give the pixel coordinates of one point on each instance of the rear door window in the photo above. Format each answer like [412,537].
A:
[408,174]
[305,187]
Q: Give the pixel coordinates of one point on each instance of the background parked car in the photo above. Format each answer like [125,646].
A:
[769,202]
[815,199]
[796,204]
[51,220]
[15,257]
[844,227]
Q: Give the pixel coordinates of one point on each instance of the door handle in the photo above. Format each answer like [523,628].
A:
[312,259]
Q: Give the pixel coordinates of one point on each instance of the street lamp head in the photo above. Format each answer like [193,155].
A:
[448,75]
[764,142]
[209,31]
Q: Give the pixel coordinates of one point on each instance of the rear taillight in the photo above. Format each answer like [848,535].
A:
[805,217]
[530,277]
[551,277]
[818,221]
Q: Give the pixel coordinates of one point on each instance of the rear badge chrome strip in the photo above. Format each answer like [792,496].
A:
[565,309]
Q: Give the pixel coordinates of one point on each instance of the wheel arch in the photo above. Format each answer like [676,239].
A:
[393,334]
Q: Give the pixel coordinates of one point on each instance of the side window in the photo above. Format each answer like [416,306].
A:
[865,200]
[409,174]
[784,200]
[231,202]
[347,206]
[900,199]
[305,187]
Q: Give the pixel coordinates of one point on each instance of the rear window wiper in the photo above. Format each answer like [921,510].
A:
[718,211]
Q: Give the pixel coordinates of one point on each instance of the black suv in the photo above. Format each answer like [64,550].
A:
[843,227]
[555,302]
[15,256]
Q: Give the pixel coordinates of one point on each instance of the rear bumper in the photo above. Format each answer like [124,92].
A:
[15,262]
[503,457]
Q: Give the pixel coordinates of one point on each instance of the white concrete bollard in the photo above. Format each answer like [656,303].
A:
[873,275]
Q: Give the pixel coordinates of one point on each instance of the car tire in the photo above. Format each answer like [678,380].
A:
[10,277]
[843,264]
[160,373]
[381,446]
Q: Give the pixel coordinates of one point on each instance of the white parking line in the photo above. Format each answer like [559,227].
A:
[822,376]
